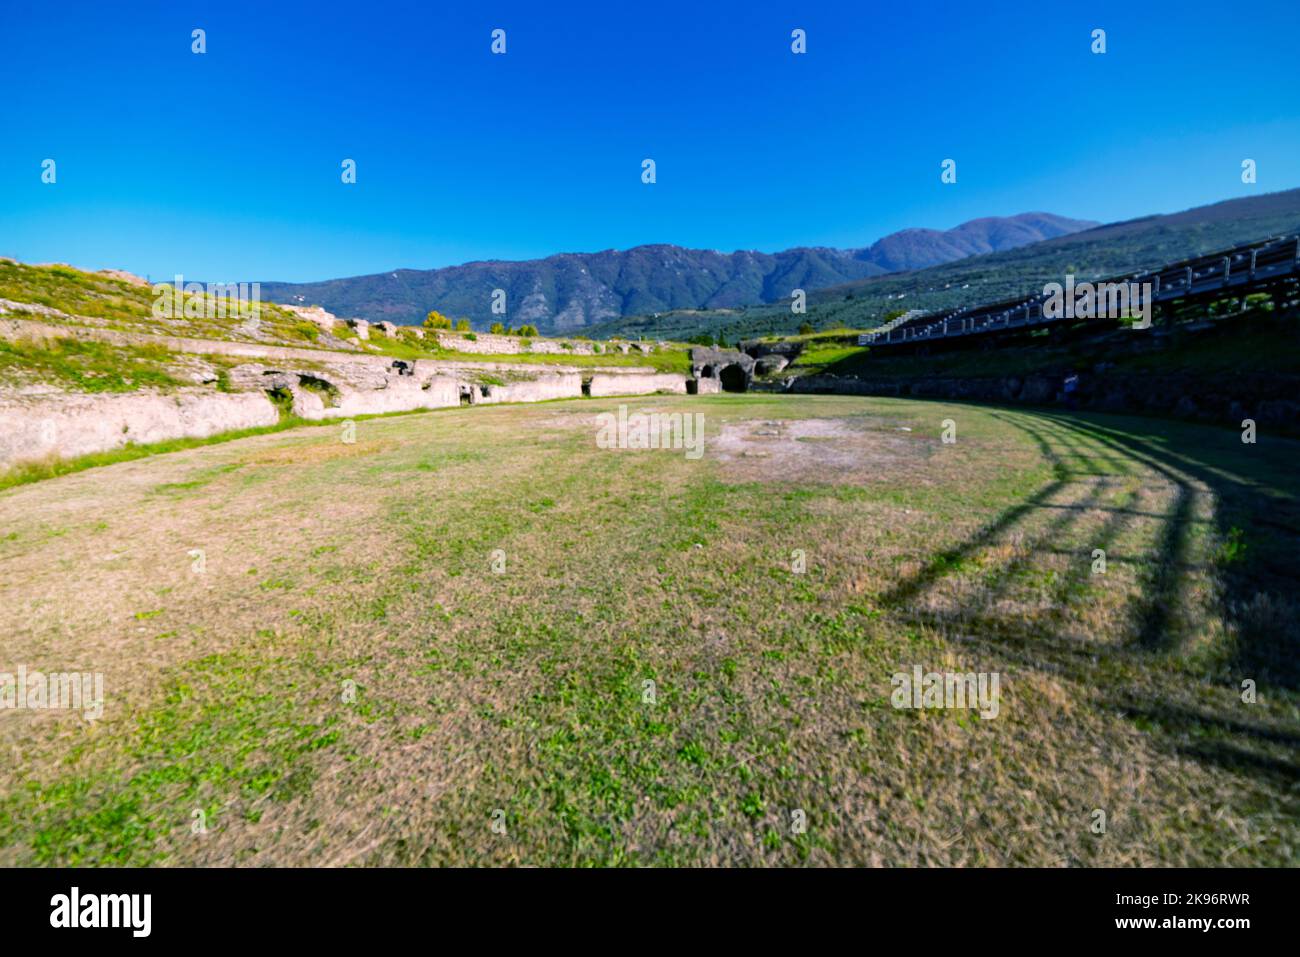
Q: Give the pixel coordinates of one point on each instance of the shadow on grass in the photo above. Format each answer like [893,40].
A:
[1255,493]
[1244,496]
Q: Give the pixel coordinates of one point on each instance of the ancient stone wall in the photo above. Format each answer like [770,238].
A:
[315,384]
[486,343]
[637,384]
[541,389]
[1270,400]
[67,426]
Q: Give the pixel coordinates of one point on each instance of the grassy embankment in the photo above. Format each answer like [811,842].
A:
[116,304]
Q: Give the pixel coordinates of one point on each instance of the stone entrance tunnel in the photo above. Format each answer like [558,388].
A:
[733,378]
[732,369]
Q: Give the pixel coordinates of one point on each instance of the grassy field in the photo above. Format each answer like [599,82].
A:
[348,680]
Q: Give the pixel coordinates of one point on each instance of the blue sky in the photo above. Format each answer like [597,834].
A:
[227,165]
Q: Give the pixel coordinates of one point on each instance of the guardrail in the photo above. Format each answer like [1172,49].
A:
[1241,267]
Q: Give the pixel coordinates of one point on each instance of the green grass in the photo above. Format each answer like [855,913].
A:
[648,681]
[74,291]
[86,366]
[129,307]
[817,358]
[231,725]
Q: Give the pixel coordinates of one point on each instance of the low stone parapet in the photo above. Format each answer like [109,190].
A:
[637,384]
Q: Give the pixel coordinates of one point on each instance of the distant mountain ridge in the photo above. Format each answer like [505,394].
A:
[921,248]
[1113,249]
[569,292]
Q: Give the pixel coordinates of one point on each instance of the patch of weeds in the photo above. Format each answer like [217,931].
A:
[752,805]
[692,752]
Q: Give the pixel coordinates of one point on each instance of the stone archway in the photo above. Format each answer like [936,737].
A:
[733,378]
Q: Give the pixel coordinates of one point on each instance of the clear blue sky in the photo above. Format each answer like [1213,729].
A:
[226,166]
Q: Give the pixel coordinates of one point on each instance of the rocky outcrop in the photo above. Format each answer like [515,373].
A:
[124,276]
[637,384]
[316,315]
[67,426]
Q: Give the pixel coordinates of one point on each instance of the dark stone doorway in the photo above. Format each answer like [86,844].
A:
[733,379]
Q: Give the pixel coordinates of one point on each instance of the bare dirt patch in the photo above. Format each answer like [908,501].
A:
[812,450]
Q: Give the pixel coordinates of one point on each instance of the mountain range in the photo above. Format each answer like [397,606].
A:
[1114,249]
[570,292]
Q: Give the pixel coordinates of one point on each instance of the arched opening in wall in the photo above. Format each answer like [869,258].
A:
[586,387]
[327,392]
[733,379]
